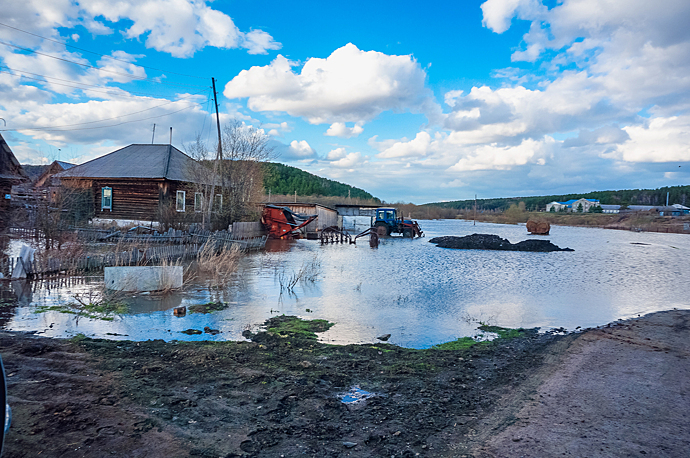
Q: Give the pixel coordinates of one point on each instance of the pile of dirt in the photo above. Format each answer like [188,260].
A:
[494,242]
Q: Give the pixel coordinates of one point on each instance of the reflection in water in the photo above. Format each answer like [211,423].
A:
[153,303]
[419,293]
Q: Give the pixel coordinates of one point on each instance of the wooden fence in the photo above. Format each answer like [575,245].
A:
[41,267]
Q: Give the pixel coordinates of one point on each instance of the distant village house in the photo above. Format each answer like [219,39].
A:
[573,205]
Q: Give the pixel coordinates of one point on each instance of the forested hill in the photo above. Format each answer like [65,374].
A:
[677,195]
[283,179]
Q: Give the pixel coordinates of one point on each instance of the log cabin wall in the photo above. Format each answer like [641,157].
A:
[5,190]
[144,200]
[131,199]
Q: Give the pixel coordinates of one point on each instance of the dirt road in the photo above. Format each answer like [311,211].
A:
[623,390]
[537,395]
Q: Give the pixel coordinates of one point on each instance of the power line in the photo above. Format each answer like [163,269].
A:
[139,78]
[50,129]
[98,54]
[128,114]
[83,86]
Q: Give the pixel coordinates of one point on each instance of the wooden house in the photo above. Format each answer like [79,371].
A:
[144,183]
[45,180]
[11,173]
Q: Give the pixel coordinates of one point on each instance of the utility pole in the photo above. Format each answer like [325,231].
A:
[153,135]
[474,222]
[219,154]
[295,196]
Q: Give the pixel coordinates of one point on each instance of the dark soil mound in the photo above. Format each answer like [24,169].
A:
[494,242]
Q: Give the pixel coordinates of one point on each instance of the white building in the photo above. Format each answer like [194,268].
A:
[572,205]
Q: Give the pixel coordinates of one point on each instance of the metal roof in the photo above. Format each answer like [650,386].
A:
[140,161]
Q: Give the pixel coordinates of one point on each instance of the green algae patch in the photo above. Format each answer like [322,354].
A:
[292,326]
[463,343]
[191,332]
[208,307]
[506,333]
[502,334]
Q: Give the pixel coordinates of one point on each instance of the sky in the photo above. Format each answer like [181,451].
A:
[413,102]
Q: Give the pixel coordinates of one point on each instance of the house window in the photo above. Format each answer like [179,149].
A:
[107,199]
[180,201]
[198,201]
[218,203]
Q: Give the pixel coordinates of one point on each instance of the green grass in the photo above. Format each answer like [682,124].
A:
[291,326]
[208,307]
[464,343]
[504,333]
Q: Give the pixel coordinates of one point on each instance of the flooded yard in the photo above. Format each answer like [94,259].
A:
[420,294]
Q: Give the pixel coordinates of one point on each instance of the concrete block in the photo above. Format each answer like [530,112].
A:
[143,278]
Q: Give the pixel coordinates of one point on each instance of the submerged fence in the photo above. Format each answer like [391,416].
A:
[151,255]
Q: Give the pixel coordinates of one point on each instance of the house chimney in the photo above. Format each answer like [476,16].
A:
[171,135]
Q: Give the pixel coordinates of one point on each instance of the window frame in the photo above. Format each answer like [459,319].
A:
[200,207]
[109,207]
[177,201]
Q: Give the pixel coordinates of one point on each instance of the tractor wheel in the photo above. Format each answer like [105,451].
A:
[382,229]
[408,233]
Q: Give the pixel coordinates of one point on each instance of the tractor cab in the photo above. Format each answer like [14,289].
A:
[387,222]
[387,215]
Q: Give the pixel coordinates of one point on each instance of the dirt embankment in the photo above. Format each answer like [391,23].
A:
[278,396]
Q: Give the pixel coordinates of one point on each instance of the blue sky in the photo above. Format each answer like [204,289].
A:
[411,102]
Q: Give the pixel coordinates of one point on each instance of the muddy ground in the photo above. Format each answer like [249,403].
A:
[278,396]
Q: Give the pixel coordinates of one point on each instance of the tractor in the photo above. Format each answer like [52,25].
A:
[386,222]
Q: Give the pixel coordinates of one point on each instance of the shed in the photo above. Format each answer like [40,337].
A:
[143,183]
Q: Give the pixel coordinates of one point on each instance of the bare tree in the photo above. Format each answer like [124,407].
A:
[239,173]
[245,149]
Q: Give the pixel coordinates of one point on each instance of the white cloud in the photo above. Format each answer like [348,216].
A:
[349,86]
[417,147]
[301,149]
[339,129]
[335,154]
[493,157]
[498,13]
[99,121]
[661,140]
[259,42]
[457,183]
[178,27]
[349,161]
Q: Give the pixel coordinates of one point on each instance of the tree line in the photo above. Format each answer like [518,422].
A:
[677,195]
[283,179]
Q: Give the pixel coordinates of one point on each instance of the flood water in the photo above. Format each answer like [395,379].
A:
[420,294]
